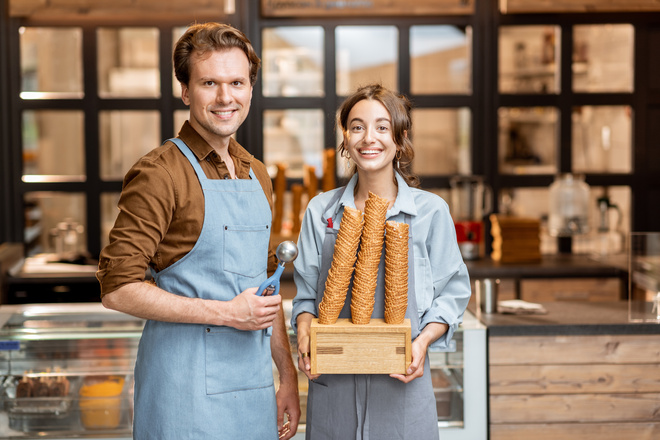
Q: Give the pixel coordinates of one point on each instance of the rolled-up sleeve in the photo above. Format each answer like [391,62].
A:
[452,296]
[451,281]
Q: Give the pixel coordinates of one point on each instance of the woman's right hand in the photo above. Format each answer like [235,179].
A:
[304,322]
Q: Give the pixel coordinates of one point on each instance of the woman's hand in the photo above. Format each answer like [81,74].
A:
[420,346]
[416,368]
[304,322]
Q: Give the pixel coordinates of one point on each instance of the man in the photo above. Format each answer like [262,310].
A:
[197,210]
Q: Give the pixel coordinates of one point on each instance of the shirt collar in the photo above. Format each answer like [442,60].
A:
[201,149]
[405,202]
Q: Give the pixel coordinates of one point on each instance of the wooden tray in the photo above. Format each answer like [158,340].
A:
[347,348]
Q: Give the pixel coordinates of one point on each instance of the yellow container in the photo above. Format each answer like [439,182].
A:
[100,402]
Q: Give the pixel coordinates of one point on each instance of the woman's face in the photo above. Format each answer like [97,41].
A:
[368,138]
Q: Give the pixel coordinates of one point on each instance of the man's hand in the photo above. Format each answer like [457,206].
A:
[287,403]
[249,311]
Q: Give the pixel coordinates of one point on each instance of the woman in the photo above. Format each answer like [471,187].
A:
[376,124]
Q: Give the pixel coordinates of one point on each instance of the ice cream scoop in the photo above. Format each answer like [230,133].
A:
[286,252]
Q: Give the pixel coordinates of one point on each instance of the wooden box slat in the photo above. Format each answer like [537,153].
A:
[347,348]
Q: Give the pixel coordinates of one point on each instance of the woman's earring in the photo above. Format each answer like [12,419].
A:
[397,156]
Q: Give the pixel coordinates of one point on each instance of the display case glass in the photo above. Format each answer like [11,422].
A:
[644,279]
[67,371]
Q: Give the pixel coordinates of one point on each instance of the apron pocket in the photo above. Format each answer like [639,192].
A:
[236,360]
[246,249]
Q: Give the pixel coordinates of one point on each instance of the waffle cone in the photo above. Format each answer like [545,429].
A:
[396,271]
[342,267]
[366,268]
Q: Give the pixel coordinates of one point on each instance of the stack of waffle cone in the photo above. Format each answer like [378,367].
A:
[396,272]
[341,269]
[366,268]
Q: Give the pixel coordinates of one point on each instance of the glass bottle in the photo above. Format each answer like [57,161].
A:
[569,206]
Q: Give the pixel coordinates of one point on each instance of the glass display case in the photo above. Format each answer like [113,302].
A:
[67,371]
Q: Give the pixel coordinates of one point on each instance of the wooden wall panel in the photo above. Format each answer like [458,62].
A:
[575,379]
[539,350]
[576,431]
[559,6]
[575,408]
[600,387]
[571,289]
[326,8]
[117,8]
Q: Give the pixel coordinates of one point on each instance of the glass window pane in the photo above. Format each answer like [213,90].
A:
[109,212]
[293,137]
[51,63]
[128,63]
[180,116]
[53,145]
[440,59]
[366,54]
[292,61]
[603,58]
[609,222]
[527,140]
[177,32]
[529,59]
[441,139]
[49,213]
[126,135]
[602,139]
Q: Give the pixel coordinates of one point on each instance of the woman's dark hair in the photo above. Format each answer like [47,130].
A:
[399,108]
[201,38]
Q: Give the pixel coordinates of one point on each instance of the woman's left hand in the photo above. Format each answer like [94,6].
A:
[420,345]
[416,368]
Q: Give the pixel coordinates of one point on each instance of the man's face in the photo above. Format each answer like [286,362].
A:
[218,93]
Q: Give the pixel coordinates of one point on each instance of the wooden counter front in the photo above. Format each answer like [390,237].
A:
[581,372]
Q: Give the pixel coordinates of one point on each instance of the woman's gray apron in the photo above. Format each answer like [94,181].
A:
[370,407]
[201,381]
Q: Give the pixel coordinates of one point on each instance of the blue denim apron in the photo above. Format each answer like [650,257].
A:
[370,406]
[201,381]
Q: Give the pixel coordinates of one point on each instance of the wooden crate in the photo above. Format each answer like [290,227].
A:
[347,348]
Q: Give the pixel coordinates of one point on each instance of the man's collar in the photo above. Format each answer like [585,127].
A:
[202,149]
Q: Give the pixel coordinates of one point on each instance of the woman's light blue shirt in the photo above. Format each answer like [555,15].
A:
[442,283]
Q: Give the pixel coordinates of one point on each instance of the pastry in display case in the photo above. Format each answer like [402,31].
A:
[67,371]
